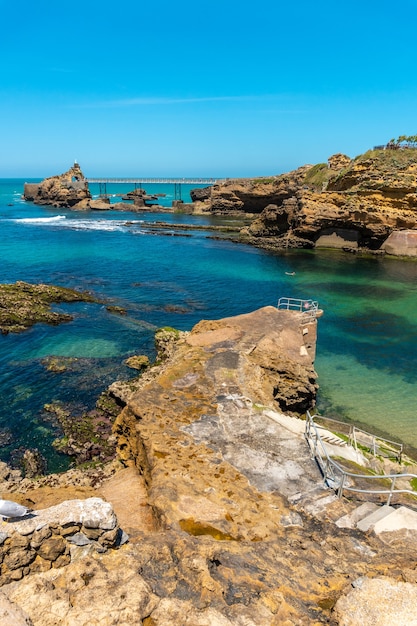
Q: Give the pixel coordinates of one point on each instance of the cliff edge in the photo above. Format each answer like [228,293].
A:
[366,203]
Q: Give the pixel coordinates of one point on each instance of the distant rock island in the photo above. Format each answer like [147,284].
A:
[63,190]
[368,203]
[68,190]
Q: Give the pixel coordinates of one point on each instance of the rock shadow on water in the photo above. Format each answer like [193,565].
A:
[373,338]
[370,291]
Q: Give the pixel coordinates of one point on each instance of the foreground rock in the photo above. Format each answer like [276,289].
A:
[220,543]
[380,601]
[64,190]
[45,539]
[367,203]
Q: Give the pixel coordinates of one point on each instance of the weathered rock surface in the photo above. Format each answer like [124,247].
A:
[351,204]
[200,193]
[23,304]
[44,539]
[217,541]
[11,614]
[64,190]
[88,204]
[380,602]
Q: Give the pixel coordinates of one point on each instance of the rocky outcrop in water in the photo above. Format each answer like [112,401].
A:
[369,203]
[63,190]
[23,304]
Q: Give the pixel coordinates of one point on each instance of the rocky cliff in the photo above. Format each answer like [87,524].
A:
[369,202]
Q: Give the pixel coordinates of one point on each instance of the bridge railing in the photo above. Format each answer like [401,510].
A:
[338,478]
[309,308]
[161,180]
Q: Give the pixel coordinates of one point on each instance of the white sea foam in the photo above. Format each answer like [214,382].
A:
[61,221]
[39,220]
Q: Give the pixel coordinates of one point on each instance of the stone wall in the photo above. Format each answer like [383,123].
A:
[52,537]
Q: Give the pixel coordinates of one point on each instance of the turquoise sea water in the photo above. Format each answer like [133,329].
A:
[367,345]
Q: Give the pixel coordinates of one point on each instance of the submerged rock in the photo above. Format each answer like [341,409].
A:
[23,304]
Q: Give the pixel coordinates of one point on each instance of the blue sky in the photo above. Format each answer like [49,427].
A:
[220,88]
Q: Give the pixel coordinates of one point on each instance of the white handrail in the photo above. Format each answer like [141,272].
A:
[308,307]
[335,476]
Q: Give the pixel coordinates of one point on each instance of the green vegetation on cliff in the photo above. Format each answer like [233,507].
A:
[317,175]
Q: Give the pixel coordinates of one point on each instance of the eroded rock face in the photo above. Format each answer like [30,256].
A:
[210,384]
[64,190]
[351,204]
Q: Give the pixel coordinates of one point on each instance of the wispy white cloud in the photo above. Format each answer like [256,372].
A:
[163,101]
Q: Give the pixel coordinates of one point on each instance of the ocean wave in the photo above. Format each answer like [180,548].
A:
[61,221]
[39,220]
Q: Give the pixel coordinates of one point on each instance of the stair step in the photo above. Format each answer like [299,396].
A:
[369,522]
[335,441]
[351,519]
[402,517]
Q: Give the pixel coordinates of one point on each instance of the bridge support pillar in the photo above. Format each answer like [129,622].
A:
[177,191]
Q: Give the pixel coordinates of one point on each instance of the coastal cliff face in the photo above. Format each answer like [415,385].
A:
[369,202]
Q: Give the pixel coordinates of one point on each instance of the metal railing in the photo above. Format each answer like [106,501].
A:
[161,180]
[378,446]
[309,308]
[357,438]
[338,478]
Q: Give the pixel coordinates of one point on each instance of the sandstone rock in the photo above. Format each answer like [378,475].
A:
[90,591]
[378,601]
[211,371]
[39,536]
[92,513]
[199,194]
[11,614]
[353,204]
[50,549]
[16,559]
[88,204]
[401,243]
[218,462]
[41,540]
[138,362]
[338,161]
[34,464]
[64,190]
